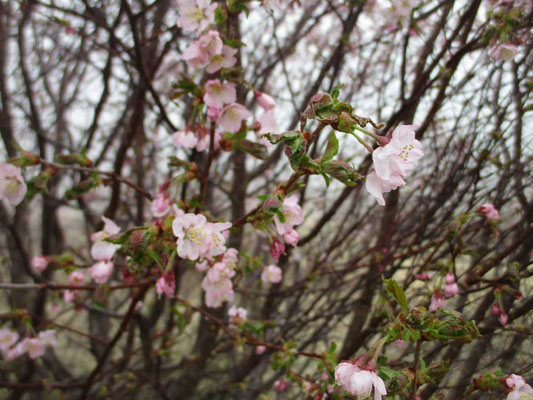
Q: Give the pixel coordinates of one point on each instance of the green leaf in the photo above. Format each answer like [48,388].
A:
[332,149]
[253,148]
[397,293]
[335,92]
[342,172]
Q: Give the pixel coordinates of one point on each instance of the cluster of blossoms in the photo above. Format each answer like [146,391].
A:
[393,161]
[360,381]
[210,53]
[217,282]
[103,251]
[450,289]
[196,15]
[12,185]
[292,216]
[519,389]
[34,346]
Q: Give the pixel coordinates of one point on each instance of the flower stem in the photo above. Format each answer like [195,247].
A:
[416,361]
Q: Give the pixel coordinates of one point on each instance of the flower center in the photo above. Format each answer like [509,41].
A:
[195,235]
[404,155]
[11,187]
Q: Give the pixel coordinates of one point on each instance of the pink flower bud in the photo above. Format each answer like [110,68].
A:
[101,271]
[260,350]
[503,318]
[291,237]
[423,276]
[451,290]
[265,101]
[437,301]
[277,248]
[40,262]
[495,309]
[450,278]
[166,284]
[281,385]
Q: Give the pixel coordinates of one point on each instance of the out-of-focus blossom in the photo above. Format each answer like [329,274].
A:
[219,94]
[12,185]
[268,124]
[359,382]
[185,139]
[503,318]
[166,284]
[16,351]
[232,116]
[7,339]
[489,212]
[70,295]
[101,271]
[226,59]
[422,277]
[160,206]
[198,54]
[277,248]
[504,52]
[40,262]
[437,301]
[271,274]
[237,315]
[377,186]
[281,385]
[495,309]
[217,285]
[76,277]
[291,237]
[264,100]
[34,347]
[293,214]
[196,15]
[451,290]
[48,337]
[450,278]
[271,5]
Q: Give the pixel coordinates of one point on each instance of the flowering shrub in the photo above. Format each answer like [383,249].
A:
[266,199]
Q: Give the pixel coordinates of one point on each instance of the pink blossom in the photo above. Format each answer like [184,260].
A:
[451,290]
[76,278]
[437,301]
[450,278]
[503,52]
[217,285]
[7,339]
[203,141]
[12,185]
[495,309]
[196,15]
[202,266]
[198,53]
[218,94]
[16,351]
[166,284]
[488,211]
[40,262]
[520,390]
[160,206]
[232,116]
[503,318]
[271,274]
[213,113]
[226,59]
[277,248]
[231,257]
[70,295]
[34,347]
[237,316]
[293,214]
[291,237]
[101,271]
[281,385]
[359,382]
[267,124]
[216,239]
[264,100]
[185,139]
[102,250]
[260,350]
[377,186]
[192,235]
[423,276]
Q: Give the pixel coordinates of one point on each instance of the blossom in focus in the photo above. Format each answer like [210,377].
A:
[185,139]
[198,54]
[196,15]
[40,262]
[488,211]
[393,161]
[7,339]
[191,233]
[160,205]
[166,284]
[293,214]
[520,390]
[232,116]
[437,301]
[503,52]
[271,274]
[237,315]
[218,94]
[359,382]
[12,185]
[264,100]
[101,271]
[76,278]
[102,250]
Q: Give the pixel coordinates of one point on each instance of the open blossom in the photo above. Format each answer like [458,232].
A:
[101,271]
[226,59]
[102,250]
[293,214]
[393,161]
[268,124]
[196,15]
[76,278]
[451,289]
[160,206]
[166,284]
[232,116]
[12,185]
[198,53]
[264,100]
[359,382]
[437,301]
[7,339]
[271,274]
[186,139]
[503,52]
[40,262]
[217,285]
[489,212]
[520,390]
[16,351]
[34,347]
[218,94]
[237,316]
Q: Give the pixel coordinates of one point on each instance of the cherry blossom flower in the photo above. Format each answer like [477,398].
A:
[422,277]
[488,211]
[196,15]
[293,214]
[217,285]
[503,318]
[12,185]
[449,278]
[237,316]
[16,351]
[504,52]
[377,186]
[271,274]
[34,347]
[520,390]
[291,237]
[218,94]
[185,139]
[264,100]
[226,59]
[260,350]
[268,124]
[277,248]
[198,54]
[191,233]
[437,301]
[7,339]
[216,244]
[76,278]
[40,262]
[451,290]
[166,284]
[232,116]
[101,271]
[160,206]
[359,382]
[102,250]
[281,385]
[231,258]
[70,295]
